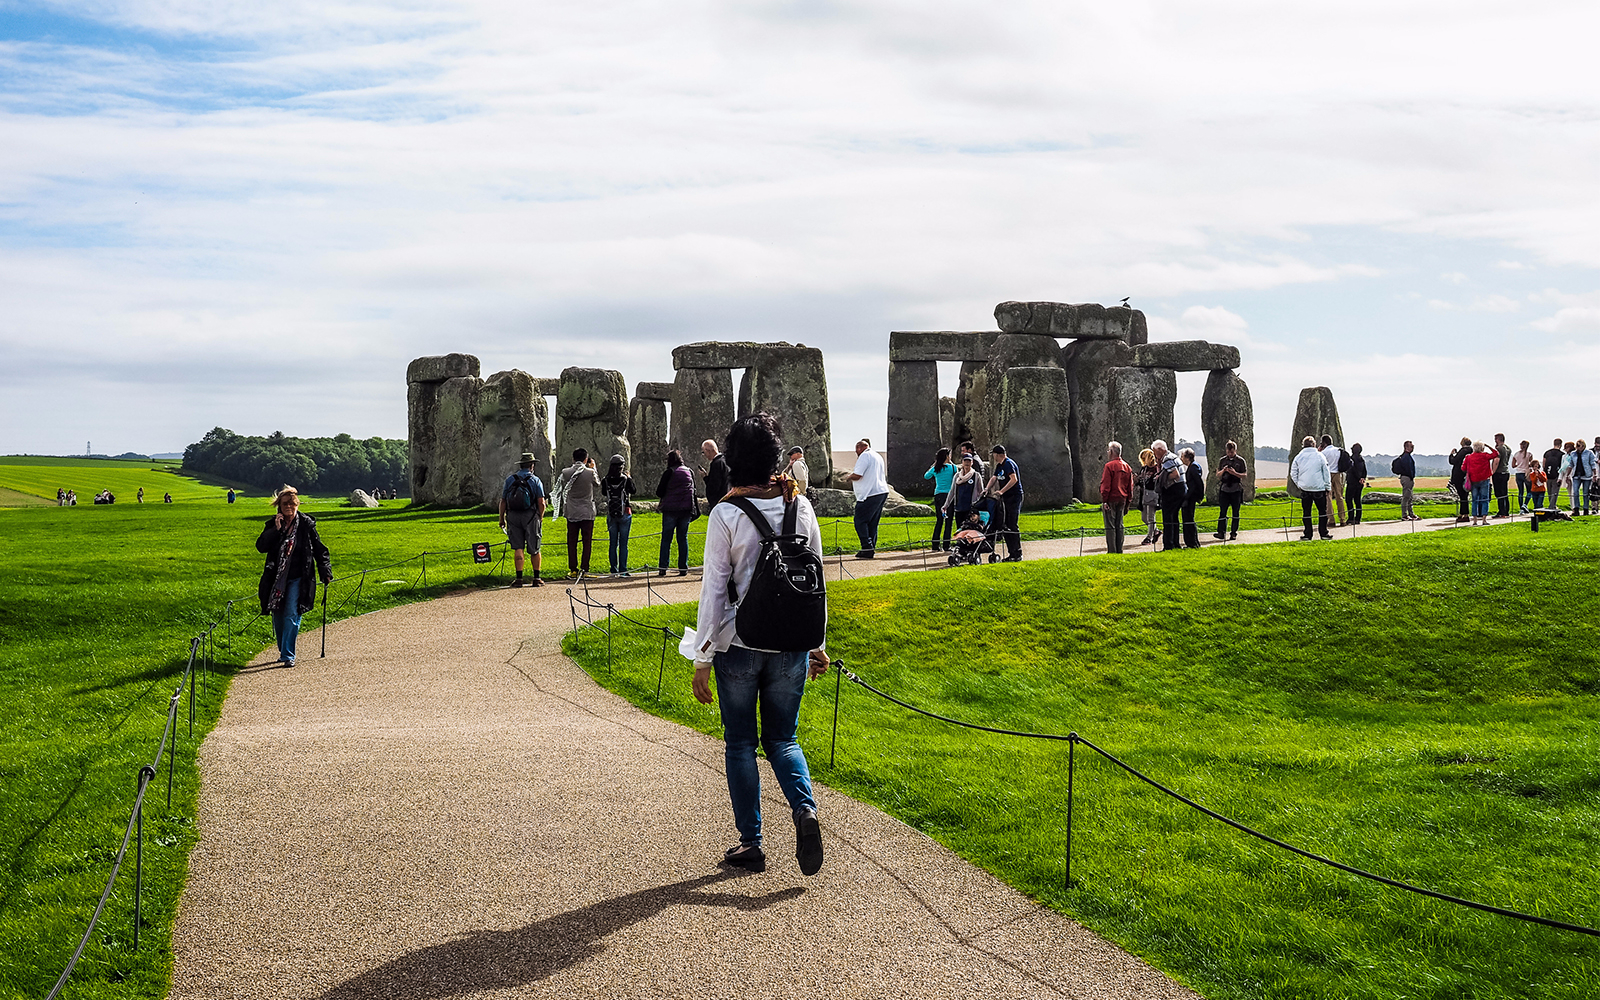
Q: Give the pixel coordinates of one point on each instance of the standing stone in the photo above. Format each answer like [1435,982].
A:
[791,384]
[444,431]
[592,413]
[1315,415]
[702,408]
[913,425]
[647,440]
[1226,414]
[1140,401]
[985,394]
[1090,427]
[947,423]
[972,393]
[1033,427]
[515,419]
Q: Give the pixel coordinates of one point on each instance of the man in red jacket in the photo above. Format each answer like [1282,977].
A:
[1116,494]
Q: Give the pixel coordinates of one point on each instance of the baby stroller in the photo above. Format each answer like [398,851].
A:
[976,539]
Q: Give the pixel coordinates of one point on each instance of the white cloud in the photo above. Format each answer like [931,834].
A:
[1454,277]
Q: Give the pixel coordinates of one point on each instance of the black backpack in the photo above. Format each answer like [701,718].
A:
[1345,463]
[519,495]
[785,608]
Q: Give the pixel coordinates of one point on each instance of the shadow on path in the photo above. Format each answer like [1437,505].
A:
[490,960]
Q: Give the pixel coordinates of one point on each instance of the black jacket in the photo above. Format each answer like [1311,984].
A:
[716,480]
[1404,465]
[1352,479]
[309,560]
[1194,482]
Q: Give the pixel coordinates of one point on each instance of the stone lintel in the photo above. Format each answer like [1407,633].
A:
[941,345]
[1186,356]
[442,367]
[734,354]
[547,386]
[660,392]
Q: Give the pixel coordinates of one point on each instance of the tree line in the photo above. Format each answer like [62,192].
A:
[312,465]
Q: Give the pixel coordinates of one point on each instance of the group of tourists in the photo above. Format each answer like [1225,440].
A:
[1476,469]
[1171,485]
[967,496]
[66,498]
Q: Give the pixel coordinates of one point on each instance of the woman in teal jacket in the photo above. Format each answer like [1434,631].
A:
[941,472]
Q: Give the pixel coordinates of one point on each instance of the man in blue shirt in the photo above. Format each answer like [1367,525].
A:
[522,516]
[1006,484]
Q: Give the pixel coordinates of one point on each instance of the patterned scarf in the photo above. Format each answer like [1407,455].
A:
[285,550]
[779,486]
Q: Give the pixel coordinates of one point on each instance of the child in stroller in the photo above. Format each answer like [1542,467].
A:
[976,538]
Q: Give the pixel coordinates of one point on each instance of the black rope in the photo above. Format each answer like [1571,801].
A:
[1349,869]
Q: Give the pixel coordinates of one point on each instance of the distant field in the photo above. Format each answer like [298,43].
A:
[40,476]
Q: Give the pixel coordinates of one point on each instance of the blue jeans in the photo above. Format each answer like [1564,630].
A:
[1480,497]
[618,528]
[1522,491]
[868,512]
[671,523]
[1580,491]
[776,681]
[286,620]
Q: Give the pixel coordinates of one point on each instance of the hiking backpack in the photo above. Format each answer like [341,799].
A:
[519,496]
[785,608]
[1345,462]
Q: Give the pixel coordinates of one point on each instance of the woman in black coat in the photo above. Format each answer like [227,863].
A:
[1194,483]
[1355,481]
[295,558]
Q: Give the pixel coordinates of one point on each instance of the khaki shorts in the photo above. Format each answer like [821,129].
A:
[523,529]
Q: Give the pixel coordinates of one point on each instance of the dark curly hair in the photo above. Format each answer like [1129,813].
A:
[753,450]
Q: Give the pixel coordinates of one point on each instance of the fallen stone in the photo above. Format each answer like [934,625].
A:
[1226,414]
[702,409]
[941,345]
[842,503]
[361,498]
[913,431]
[440,367]
[1186,356]
[660,392]
[1033,427]
[1315,414]
[791,384]
[647,440]
[515,419]
[592,414]
[444,431]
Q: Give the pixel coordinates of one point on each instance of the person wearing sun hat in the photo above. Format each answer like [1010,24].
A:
[296,557]
[522,516]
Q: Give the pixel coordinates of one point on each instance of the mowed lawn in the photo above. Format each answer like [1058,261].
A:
[1423,707]
[40,476]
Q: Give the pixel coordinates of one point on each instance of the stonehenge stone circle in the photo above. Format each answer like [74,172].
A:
[1088,321]
[1033,424]
[514,419]
[702,409]
[1226,414]
[444,430]
[1186,356]
[1314,415]
[913,425]
[940,345]
[592,414]
[647,440]
[790,383]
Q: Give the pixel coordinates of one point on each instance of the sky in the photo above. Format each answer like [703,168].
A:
[254,215]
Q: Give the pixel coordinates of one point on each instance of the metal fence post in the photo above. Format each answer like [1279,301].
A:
[424,568]
[324,621]
[145,774]
[662,673]
[1072,744]
[838,679]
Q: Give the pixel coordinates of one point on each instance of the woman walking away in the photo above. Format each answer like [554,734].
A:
[676,492]
[1478,469]
[617,487]
[1521,464]
[295,558]
[758,689]
[1147,481]
[578,487]
[966,489]
[1355,483]
[942,472]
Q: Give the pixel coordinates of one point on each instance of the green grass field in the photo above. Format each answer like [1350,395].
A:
[40,476]
[1423,707]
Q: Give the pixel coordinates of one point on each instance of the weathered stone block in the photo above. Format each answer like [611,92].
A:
[1090,426]
[444,431]
[1139,402]
[913,425]
[547,387]
[647,438]
[1226,414]
[1085,321]
[791,384]
[941,345]
[947,423]
[1315,414]
[1033,427]
[440,367]
[592,413]
[361,498]
[660,392]
[1186,356]
[718,354]
[515,419]
[702,409]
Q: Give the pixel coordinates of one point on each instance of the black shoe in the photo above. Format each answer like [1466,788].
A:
[661,572]
[1233,536]
[808,842]
[1015,558]
[683,572]
[864,554]
[1306,538]
[1219,536]
[750,859]
[1327,538]
[517,582]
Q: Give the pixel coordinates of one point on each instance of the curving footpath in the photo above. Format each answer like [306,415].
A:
[447,806]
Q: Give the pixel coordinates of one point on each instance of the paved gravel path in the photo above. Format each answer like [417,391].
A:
[446,806]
